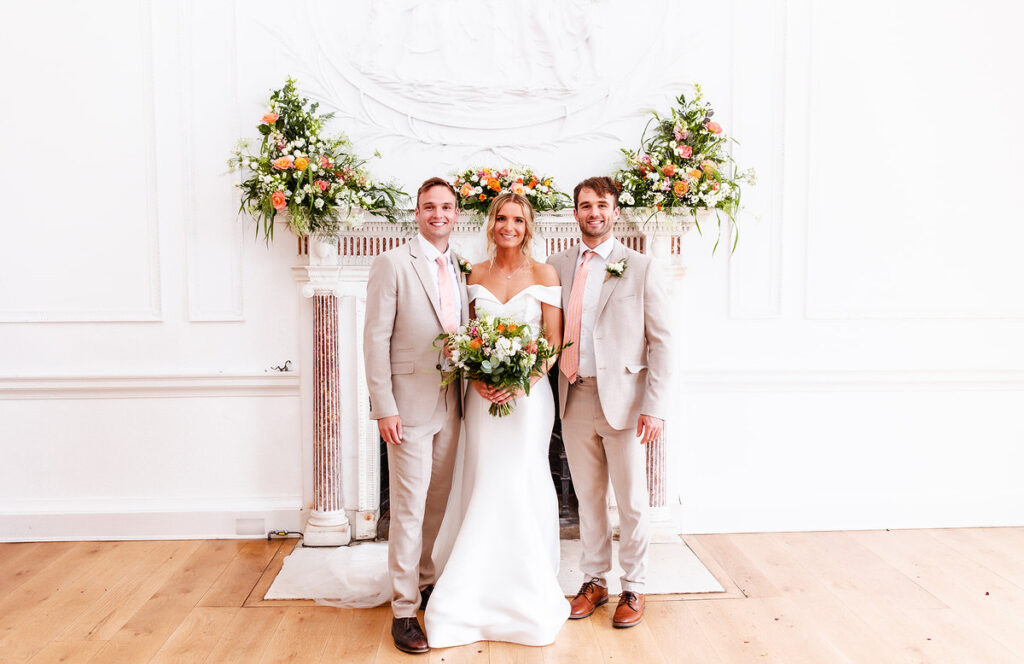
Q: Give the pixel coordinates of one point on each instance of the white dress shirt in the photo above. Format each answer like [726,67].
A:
[591,295]
[431,252]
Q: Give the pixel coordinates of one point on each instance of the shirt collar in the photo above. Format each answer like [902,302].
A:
[603,250]
[431,252]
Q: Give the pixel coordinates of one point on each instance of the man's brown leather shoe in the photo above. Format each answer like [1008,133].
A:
[587,600]
[408,636]
[630,610]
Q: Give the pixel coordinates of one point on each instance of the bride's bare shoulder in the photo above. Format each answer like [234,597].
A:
[545,275]
[479,272]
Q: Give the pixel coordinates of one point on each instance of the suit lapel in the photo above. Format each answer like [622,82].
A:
[422,268]
[610,282]
[568,272]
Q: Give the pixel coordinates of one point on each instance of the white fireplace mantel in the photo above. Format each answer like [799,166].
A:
[341,442]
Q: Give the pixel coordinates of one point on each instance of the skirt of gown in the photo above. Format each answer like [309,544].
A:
[499,544]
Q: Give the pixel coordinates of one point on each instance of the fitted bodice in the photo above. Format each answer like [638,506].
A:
[524,306]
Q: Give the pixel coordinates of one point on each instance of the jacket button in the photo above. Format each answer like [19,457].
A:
[438,367]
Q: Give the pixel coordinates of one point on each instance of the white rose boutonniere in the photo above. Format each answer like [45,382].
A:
[465,267]
[616,269]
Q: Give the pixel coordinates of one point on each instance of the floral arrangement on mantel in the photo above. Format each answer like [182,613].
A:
[317,180]
[683,165]
[477,187]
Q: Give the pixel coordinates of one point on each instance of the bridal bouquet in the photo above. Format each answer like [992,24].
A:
[316,179]
[500,352]
[477,187]
[683,163]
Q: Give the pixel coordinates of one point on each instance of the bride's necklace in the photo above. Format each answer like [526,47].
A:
[508,275]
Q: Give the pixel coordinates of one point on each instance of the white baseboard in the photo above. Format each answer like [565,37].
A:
[103,526]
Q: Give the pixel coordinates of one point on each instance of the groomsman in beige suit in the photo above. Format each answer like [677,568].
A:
[612,393]
[414,293]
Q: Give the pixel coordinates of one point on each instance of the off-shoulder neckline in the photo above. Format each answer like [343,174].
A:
[495,297]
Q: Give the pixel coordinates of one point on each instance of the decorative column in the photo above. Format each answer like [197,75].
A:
[328,524]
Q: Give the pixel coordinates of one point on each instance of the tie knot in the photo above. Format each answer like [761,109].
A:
[588,254]
[442,260]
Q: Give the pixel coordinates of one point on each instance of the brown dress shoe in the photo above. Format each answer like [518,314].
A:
[630,610]
[408,636]
[587,600]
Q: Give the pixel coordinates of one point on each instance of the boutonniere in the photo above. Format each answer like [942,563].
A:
[616,269]
[465,267]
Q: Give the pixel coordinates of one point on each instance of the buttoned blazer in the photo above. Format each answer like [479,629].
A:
[402,320]
[632,337]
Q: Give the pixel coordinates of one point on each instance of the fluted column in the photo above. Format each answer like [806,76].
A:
[656,471]
[328,525]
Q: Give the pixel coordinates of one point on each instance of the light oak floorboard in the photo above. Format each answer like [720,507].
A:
[245,639]
[242,575]
[985,601]
[67,652]
[105,617]
[357,636]
[879,597]
[146,631]
[197,635]
[48,618]
[302,635]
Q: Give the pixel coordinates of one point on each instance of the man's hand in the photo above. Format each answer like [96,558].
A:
[649,428]
[391,429]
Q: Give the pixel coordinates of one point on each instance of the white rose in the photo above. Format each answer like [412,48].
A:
[319,203]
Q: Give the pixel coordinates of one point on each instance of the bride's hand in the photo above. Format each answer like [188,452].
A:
[503,396]
[483,390]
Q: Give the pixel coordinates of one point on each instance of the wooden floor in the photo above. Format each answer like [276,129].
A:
[903,596]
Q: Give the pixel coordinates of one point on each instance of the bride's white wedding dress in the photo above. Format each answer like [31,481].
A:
[498,546]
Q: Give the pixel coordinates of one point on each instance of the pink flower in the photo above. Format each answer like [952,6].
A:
[713,127]
[270,118]
[282,163]
[669,170]
[684,151]
[278,200]
[680,133]
[323,184]
[324,162]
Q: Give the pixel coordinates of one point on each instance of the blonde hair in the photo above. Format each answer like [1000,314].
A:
[492,216]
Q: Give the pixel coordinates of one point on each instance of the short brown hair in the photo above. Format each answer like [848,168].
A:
[435,182]
[602,186]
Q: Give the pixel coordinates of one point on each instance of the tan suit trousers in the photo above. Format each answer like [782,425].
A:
[597,452]
[420,478]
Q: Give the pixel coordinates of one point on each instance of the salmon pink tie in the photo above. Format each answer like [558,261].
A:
[570,359]
[446,295]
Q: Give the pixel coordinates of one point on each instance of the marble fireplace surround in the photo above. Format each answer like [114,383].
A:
[343,444]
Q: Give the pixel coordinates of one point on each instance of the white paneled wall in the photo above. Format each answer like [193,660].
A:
[856,363]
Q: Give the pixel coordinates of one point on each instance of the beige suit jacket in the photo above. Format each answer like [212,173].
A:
[632,337]
[403,318]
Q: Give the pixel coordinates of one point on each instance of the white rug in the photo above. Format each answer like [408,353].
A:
[357,576]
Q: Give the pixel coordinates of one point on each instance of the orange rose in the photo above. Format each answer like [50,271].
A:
[500,328]
[270,118]
[512,328]
[466,190]
[694,173]
[278,200]
[282,163]
[475,343]
[518,188]
[669,170]
[680,188]
[708,166]
[483,197]
[301,163]
[494,184]
[533,183]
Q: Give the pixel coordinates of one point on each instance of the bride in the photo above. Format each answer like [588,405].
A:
[500,536]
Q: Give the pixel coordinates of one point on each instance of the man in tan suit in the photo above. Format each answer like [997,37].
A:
[414,293]
[612,393]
